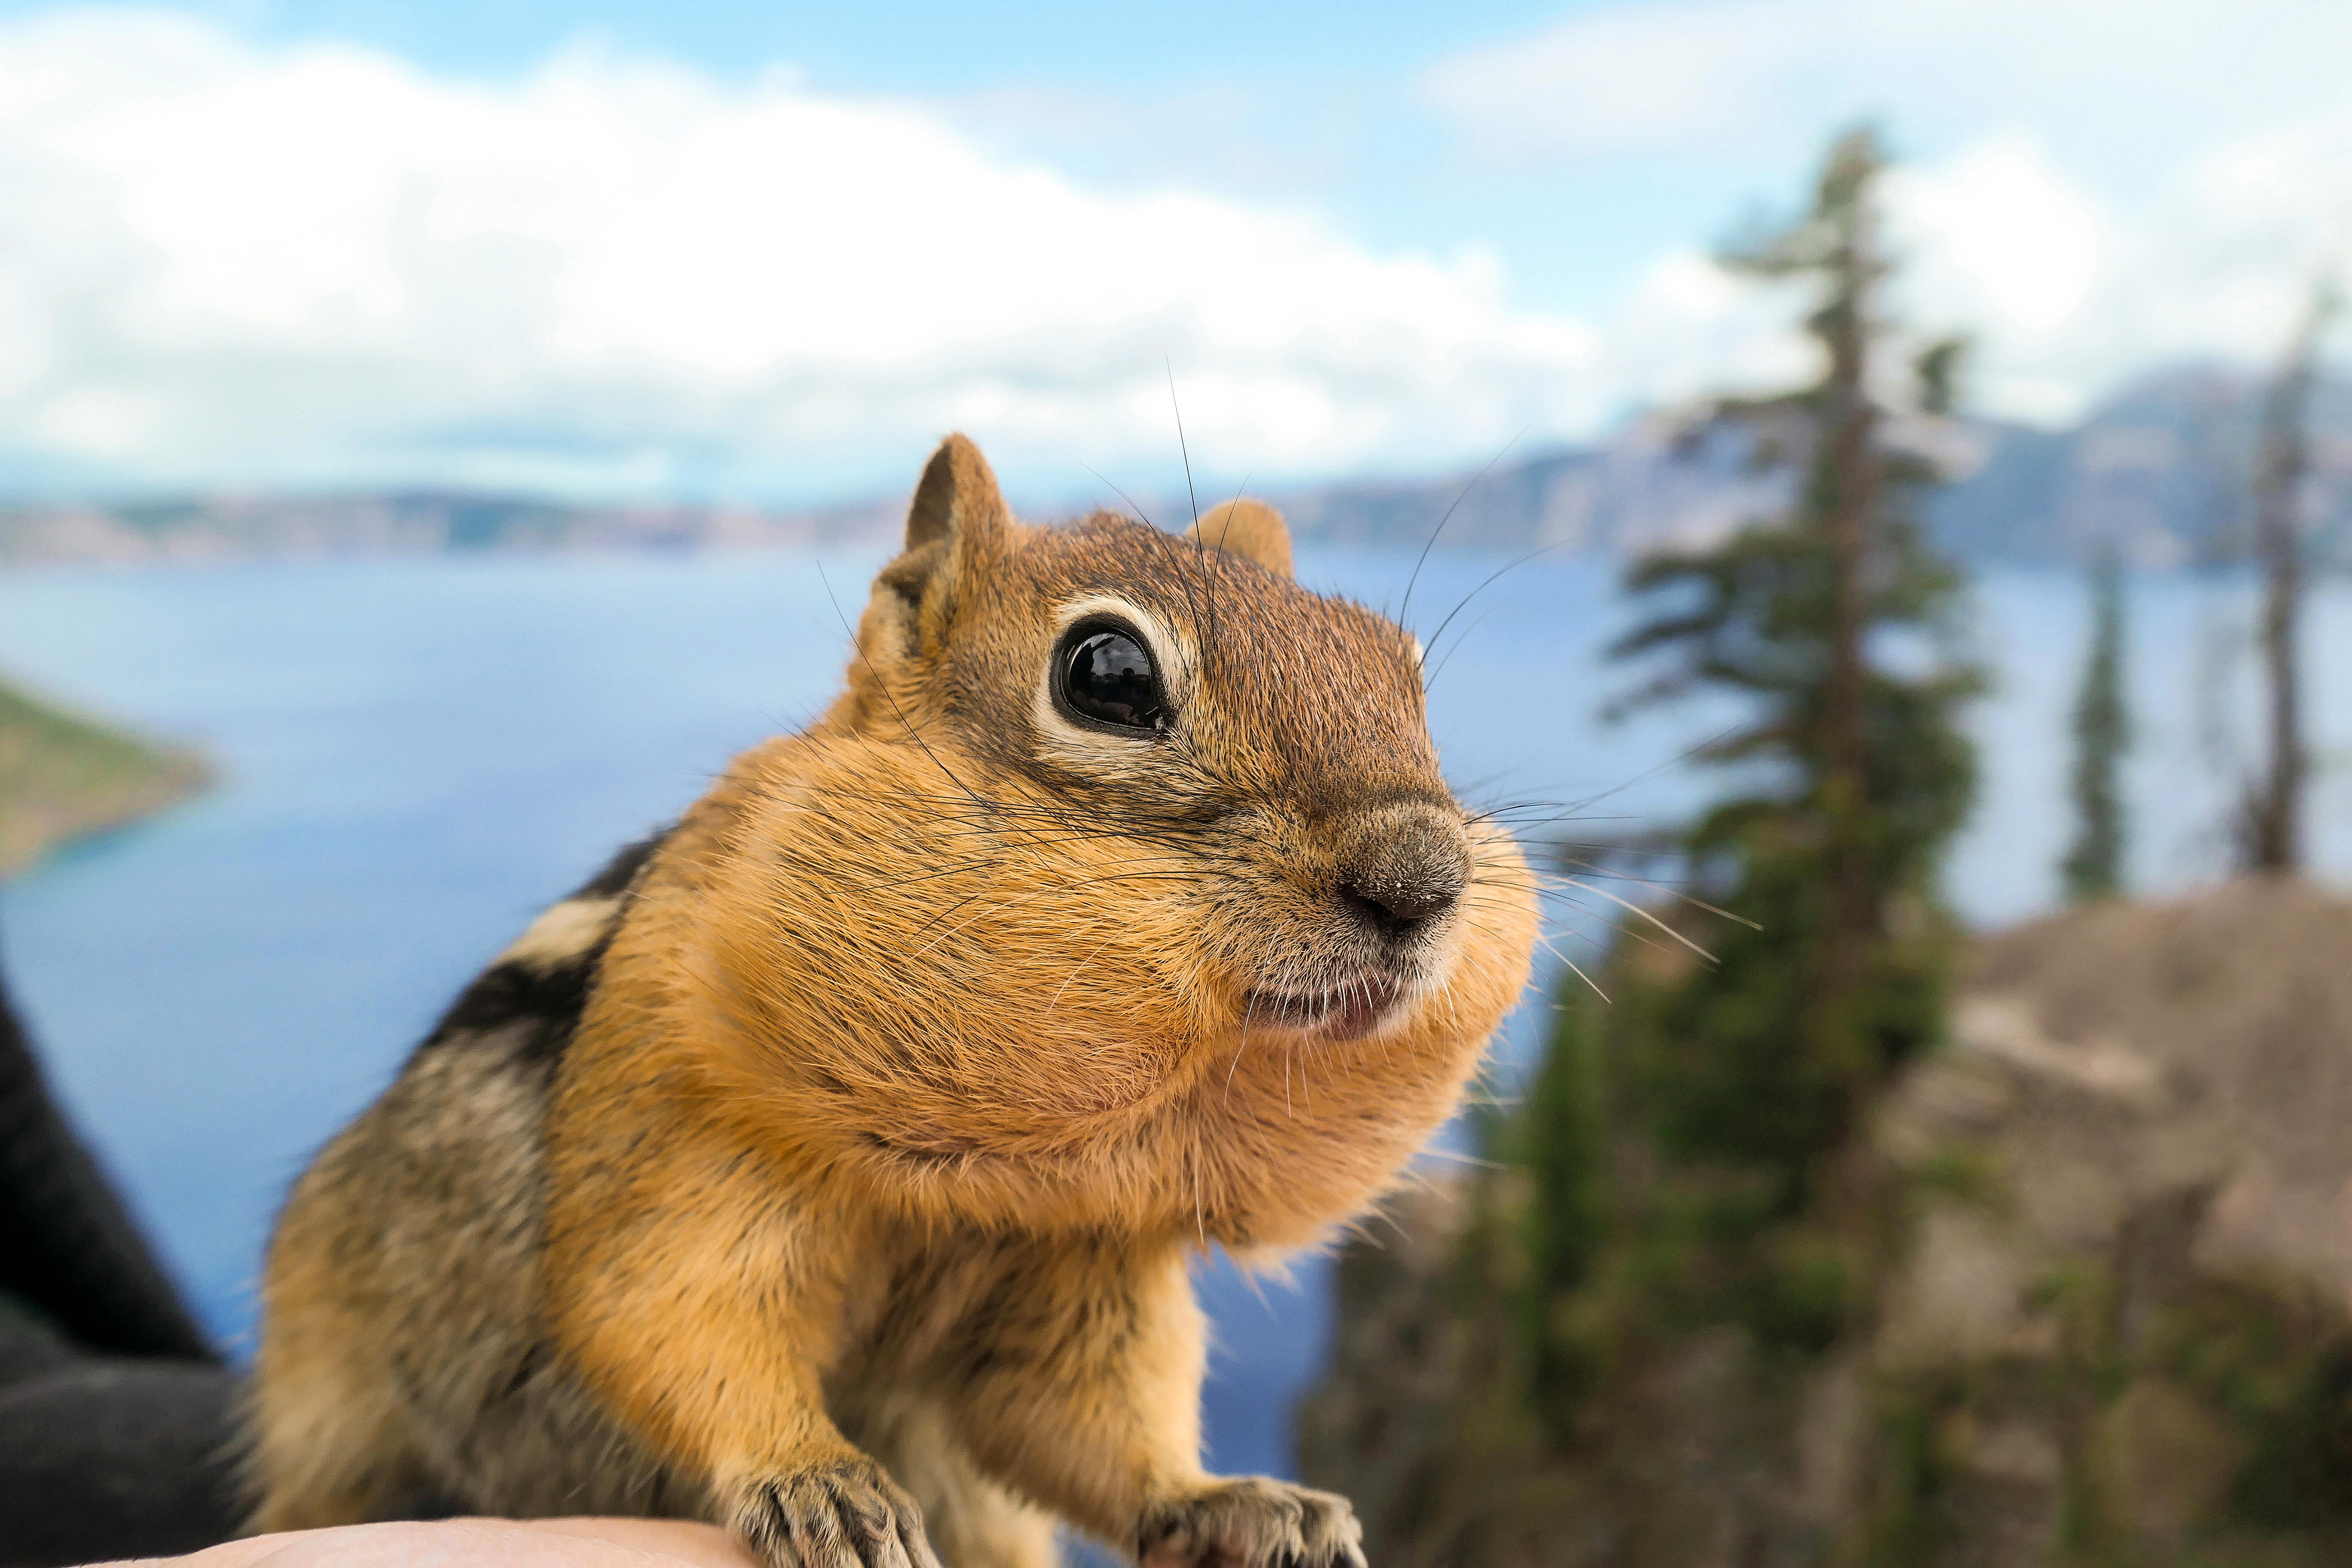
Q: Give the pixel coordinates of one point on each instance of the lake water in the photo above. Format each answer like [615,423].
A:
[416,755]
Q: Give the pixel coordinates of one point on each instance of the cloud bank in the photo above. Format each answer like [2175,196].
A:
[318,266]
[2131,180]
[2147,79]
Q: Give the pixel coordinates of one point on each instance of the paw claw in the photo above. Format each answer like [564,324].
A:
[1252,1522]
[844,1515]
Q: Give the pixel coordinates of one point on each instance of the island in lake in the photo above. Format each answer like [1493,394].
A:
[64,776]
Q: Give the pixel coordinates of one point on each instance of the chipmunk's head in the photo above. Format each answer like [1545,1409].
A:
[1162,866]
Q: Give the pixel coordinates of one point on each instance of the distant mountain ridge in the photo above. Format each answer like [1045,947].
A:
[2160,470]
[410,522]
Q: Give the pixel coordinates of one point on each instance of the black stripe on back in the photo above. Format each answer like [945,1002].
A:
[622,870]
[550,997]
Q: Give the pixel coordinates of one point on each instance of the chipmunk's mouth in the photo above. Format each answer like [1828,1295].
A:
[1346,1011]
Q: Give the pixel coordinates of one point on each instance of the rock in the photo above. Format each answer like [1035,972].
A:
[2165,1460]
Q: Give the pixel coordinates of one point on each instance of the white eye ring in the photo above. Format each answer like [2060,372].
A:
[1078,737]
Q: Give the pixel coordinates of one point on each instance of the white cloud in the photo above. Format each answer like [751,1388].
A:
[2128,181]
[1728,76]
[225,264]
[1999,235]
[1624,79]
[2069,295]
[1997,244]
[1690,328]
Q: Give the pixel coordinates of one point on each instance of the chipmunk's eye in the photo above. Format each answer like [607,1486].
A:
[1106,676]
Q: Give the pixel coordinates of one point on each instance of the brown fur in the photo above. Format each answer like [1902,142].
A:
[922,1057]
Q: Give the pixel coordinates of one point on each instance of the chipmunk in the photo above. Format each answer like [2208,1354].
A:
[829,1167]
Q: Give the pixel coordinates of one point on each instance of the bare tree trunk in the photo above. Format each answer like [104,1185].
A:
[2273,819]
[1851,475]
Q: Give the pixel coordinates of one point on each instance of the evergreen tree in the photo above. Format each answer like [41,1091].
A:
[2093,867]
[1691,1158]
[1767,1059]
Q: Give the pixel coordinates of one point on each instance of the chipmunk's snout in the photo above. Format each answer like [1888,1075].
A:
[1402,868]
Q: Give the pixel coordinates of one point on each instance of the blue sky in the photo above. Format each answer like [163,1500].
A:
[765,253]
[927,48]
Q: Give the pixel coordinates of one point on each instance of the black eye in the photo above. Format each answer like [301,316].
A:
[1106,676]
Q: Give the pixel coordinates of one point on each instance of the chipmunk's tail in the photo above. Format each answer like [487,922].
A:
[115,1413]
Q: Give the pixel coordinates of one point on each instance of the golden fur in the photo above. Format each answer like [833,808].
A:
[918,1061]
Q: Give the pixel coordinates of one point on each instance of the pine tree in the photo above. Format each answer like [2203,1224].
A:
[1693,1152]
[2093,867]
[1773,1054]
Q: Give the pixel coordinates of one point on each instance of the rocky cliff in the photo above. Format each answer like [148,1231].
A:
[2120,1331]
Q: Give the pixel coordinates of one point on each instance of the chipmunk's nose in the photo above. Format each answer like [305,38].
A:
[1402,868]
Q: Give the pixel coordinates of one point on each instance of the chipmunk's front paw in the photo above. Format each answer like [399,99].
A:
[844,1515]
[1252,1522]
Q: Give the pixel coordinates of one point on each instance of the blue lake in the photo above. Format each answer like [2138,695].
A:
[416,755]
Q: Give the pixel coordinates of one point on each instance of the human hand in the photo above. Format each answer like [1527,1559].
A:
[480,1543]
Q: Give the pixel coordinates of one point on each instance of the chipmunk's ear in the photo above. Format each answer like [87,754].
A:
[957,498]
[956,528]
[1250,529]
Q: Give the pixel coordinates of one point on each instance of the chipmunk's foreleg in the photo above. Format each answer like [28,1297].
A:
[1081,1387]
[695,1301]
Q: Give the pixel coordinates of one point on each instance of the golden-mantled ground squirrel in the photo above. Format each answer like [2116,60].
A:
[829,1166]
